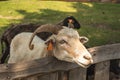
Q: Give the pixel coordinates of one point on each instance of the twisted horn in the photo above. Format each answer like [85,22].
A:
[44,28]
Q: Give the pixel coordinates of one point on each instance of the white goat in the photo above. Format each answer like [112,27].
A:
[65,44]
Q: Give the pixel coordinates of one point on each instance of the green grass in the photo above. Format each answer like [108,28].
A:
[100,21]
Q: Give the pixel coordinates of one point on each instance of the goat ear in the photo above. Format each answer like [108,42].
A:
[84,39]
[49,45]
[50,42]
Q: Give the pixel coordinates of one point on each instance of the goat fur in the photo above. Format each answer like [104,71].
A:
[21,52]
[12,31]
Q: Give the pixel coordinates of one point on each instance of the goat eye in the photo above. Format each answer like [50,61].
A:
[62,42]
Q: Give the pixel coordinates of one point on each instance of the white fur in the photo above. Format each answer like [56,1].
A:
[22,52]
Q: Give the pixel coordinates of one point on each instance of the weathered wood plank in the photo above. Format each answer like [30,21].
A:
[63,75]
[27,78]
[77,74]
[47,65]
[102,71]
[51,76]
[105,52]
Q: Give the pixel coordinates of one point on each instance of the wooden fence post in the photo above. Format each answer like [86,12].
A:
[77,74]
[51,76]
[102,70]
[63,75]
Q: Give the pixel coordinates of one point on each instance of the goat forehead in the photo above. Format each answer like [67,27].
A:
[69,32]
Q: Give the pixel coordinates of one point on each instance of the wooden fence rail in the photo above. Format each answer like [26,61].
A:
[57,69]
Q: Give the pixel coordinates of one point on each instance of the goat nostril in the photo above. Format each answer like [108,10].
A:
[87,57]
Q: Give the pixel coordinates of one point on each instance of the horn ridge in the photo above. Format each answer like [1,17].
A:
[44,28]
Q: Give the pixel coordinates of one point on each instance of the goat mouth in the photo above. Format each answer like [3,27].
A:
[82,64]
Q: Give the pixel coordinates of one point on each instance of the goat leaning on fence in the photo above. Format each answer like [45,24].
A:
[65,44]
[9,34]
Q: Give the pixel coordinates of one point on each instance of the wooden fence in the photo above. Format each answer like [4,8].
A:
[52,69]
